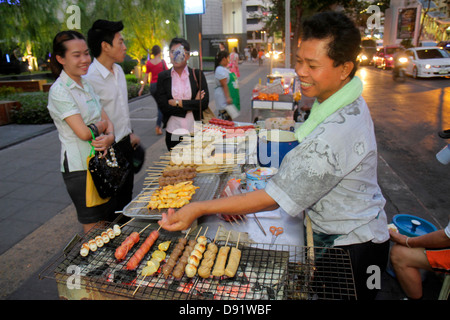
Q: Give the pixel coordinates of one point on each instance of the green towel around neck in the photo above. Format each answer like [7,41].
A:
[320,111]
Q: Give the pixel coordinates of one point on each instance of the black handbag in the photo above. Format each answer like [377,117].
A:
[109,172]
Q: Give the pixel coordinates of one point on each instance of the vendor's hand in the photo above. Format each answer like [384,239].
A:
[140,91]
[229,100]
[178,220]
[397,237]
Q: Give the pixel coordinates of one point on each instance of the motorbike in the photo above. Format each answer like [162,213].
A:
[399,69]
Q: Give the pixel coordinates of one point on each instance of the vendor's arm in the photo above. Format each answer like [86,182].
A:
[436,239]
[245,203]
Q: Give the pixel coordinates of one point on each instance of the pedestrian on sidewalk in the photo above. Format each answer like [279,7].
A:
[178,94]
[430,252]
[108,80]
[153,67]
[73,106]
[221,92]
[332,174]
[234,62]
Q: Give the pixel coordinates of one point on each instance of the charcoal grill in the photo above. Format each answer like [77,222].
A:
[266,272]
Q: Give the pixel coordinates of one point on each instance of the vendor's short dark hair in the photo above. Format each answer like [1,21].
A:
[345,44]
[102,30]
[181,41]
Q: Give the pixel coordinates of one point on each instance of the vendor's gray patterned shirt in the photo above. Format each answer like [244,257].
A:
[332,174]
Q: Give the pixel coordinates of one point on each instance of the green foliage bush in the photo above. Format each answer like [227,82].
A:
[34,104]
[33,107]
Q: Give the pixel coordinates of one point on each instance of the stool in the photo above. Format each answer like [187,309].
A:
[443,295]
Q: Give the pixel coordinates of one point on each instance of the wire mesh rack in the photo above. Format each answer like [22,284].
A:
[207,183]
[265,272]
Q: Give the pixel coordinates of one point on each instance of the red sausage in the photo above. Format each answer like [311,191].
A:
[142,251]
[130,241]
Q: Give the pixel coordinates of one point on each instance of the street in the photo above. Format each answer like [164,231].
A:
[407,117]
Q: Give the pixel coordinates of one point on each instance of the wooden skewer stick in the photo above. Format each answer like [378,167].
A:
[217,232]
[198,233]
[126,223]
[206,231]
[187,233]
[140,283]
[227,238]
[145,228]
[239,236]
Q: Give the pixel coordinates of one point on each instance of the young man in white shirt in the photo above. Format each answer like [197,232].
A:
[108,80]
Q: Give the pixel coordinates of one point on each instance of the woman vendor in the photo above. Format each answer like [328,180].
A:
[332,173]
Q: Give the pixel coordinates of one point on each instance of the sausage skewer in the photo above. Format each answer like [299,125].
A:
[143,249]
[178,271]
[196,256]
[208,258]
[233,261]
[219,267]
[177,251]
[130,241]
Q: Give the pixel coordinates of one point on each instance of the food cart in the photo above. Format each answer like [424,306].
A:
[282,267]
[278,97]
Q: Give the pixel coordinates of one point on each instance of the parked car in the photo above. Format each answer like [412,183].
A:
[428,62]
[384,58]
[428,43]
[444,45]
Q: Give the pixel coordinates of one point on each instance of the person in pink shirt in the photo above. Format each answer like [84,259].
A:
[182,94]
[234,62]
[153,67]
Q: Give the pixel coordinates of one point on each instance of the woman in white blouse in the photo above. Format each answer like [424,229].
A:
[76,111]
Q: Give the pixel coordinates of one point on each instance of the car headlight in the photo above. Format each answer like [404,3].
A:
[364,57]
[391,59]
[428,66]
[403,60]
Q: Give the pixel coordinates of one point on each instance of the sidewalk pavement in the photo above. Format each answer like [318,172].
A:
[37,218]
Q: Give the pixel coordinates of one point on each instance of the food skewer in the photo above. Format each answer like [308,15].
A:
[219,267]
[130,241]
[209,256]
[174,256]
[233,261]
[99,241]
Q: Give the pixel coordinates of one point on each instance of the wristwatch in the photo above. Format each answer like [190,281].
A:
[178,104]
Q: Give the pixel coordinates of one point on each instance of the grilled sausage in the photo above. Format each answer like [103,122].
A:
[233,262]
[142,251]
[122,250]
[219,267]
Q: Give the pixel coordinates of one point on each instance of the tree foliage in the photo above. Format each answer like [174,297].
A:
[33,22]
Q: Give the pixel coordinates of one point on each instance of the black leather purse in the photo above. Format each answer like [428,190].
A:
[109,172]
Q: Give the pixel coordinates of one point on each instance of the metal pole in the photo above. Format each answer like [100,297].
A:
[287,32]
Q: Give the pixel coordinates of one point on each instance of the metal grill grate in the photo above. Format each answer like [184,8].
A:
[267,272]
[207,183]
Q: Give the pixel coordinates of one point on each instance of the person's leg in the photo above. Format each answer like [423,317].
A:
[407,263]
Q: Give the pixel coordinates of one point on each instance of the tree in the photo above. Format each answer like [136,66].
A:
[302,9]
[29,25]
[33,24]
